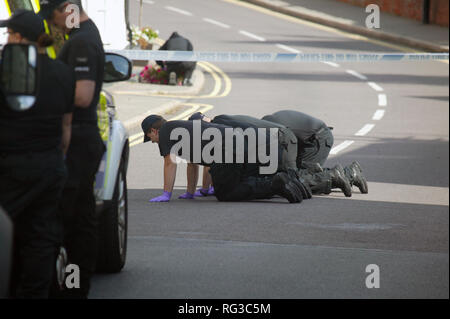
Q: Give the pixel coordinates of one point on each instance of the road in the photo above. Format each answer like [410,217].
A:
[393,119]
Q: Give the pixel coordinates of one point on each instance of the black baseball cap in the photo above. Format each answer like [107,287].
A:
[25,22]
[47,7]
[147,124]
[196,116]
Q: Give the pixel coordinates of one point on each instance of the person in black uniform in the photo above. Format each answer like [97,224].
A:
[232,181]
[84,53]
[32,171]
[315,143]
[178,43]
[319,182]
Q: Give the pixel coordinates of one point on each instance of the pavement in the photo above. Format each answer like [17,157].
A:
[395,29]
[134,101]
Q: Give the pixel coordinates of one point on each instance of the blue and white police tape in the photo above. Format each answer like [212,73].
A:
[278,57]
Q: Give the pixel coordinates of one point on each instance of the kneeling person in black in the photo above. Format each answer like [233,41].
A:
[233,181]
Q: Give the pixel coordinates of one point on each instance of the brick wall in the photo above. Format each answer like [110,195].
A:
[410,8]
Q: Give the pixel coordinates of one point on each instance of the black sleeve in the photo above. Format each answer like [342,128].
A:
[84,61]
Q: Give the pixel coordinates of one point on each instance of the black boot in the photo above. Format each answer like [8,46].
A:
[286,187]
[339,180]
[280,184]
[354,174]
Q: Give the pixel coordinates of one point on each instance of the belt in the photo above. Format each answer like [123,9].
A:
[323,129]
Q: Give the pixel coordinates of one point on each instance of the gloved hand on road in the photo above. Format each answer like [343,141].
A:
[186,195]
[165,197]
[204,192]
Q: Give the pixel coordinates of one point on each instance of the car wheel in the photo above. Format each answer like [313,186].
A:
[113,228]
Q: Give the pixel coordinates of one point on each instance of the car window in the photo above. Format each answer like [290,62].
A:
[20,4]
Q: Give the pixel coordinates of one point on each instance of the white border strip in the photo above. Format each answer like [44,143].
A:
[341,147]
[289,49]
[251,35]
[379,114]
[186,13]
[382,100]
[217,23]
[366,129]
[375,86]
[356,74]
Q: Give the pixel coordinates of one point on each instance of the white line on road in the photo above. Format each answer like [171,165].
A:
[251,35]
[356,74]
[289,49]
[378,115]
[375,86]
[186,13]
[341,147]
[366,129]
[382,100]
[220,24]
[334,65]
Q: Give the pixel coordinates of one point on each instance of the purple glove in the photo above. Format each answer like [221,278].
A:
[204,192]
[186,195]
[165,197]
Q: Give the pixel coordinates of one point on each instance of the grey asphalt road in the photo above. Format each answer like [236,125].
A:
[320,248]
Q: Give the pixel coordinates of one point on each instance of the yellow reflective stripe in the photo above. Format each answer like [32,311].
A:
[7,7]
[103,118]
[50,50]
[36,6]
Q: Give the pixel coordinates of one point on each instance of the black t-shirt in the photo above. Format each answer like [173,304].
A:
[84,53]
[303,125]
[166,144]
[245,121]
[40,128]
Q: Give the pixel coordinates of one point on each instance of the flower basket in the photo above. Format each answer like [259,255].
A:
[142,37]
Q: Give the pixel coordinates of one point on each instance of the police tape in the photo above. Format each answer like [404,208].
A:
[278,57]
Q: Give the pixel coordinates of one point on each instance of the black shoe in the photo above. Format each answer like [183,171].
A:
[354,173]
[339,180]
[301,183]
[285,186]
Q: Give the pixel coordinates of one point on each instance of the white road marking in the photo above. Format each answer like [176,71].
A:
[356,74]
[334,65]
[251,35]
[366,129]
[186,13]
[341,147]
[378,115]
[382,100]
[375,86]
[220,24]
[289,49]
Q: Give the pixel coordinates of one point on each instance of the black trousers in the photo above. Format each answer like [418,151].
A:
[30,188]
[317,149]
[240,182]
[78,204]
[181,68]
